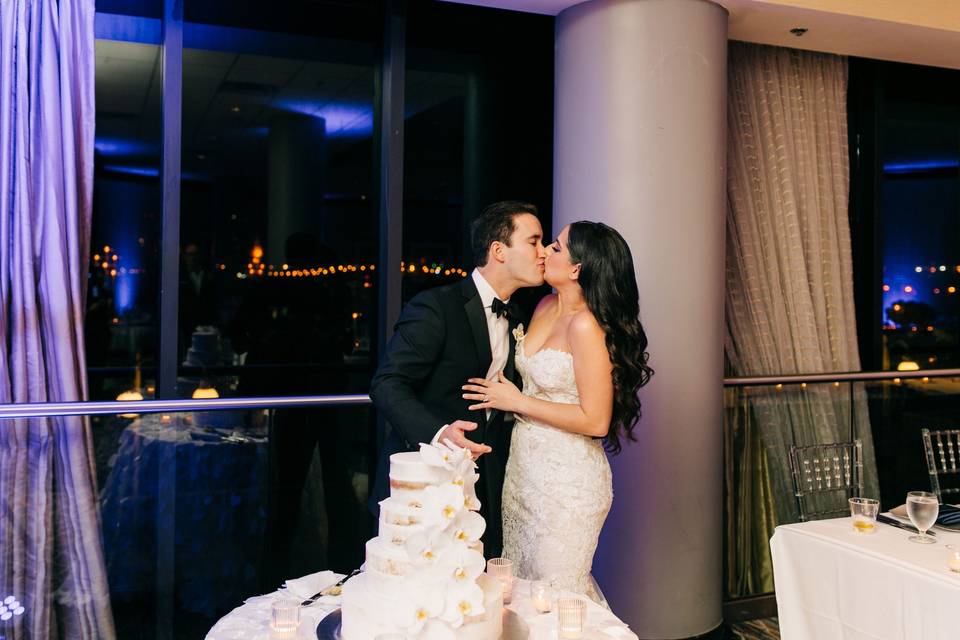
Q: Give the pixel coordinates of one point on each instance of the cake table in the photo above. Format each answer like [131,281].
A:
[321,620]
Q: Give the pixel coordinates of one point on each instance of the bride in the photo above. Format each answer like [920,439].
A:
[582,359]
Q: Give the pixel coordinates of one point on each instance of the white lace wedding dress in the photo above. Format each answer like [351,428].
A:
[558,488]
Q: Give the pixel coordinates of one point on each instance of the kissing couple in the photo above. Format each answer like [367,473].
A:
[538,403]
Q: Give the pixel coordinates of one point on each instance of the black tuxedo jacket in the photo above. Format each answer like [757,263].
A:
[440,341]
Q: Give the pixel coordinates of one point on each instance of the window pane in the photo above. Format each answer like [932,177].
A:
[278,215]
[920,202]
[122,314]
[479,128]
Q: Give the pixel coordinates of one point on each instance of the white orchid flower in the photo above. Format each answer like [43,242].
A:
[426,549]
[463,565]
[441,504]
[468,527]
[436,630]
[462,602]
[470,500]
[417,608]
[438,455]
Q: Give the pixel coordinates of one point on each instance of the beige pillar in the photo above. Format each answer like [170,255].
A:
[640,145]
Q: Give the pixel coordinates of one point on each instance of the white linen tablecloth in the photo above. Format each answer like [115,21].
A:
[252,619]
[832,582]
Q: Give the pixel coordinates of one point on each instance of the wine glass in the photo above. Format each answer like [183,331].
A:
[922,508]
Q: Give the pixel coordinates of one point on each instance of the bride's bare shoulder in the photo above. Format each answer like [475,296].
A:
[546,303]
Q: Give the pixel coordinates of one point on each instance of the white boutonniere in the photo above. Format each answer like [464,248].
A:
[518,332]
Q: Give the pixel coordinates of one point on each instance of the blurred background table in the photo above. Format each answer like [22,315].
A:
[832,582]
[198,480]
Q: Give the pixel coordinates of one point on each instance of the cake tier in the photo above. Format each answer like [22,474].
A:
[409,476]
[399,521]
[385,557]
[368,613]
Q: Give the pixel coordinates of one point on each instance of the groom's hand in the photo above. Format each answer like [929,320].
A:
[454,432]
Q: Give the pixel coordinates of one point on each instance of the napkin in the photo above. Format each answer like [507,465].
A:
[948,518]
[307,586]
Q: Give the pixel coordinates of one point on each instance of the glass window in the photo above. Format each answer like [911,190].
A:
[122,293]
[478,128]
[278,223]
[920,205]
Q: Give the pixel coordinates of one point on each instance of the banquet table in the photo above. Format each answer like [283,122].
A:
[251,620]
[832,582]
[195,481]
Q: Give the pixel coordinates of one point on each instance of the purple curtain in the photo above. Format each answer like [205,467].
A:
[51,559]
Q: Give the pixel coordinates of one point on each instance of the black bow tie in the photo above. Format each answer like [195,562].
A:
[502,309]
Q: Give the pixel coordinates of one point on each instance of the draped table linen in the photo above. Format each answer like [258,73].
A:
[252,619]
[832,582]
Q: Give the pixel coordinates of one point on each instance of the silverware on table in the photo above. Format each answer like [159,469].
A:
[333,590]
[893,522]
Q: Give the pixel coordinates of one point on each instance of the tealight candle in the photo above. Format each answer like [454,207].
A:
[502,570]
[284,619]
[953,557]
[541,594]
[571,613]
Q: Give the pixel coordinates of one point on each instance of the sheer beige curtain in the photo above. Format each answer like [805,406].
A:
[789,300]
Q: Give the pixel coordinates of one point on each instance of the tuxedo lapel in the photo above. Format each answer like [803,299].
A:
[478,324]
[509,369]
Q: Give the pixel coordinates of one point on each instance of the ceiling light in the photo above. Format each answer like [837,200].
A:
[798,31]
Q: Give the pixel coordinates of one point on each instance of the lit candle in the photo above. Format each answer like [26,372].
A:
[953,557]
[502,570]
[541,604]
[283,631]
[541,593]
[570,616]
[284,619]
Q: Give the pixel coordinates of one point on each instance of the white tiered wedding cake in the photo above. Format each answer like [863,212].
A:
[424,573]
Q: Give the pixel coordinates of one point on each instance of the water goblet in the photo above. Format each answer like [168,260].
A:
[864,514]
[922,509]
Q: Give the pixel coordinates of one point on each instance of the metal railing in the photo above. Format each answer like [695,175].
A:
[50,409]
[851,376]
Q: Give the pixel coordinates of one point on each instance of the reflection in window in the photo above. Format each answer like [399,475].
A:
[122,295]
[478,128]
[278,220]
[920,200]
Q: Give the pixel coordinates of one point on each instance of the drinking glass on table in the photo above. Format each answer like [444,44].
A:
[922,509]
[864,514]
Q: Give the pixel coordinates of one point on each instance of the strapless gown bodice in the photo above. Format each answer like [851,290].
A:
[558,486]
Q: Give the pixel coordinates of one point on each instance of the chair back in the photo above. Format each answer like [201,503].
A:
[825,476]
[943,453]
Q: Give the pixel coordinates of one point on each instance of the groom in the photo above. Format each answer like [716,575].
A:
[449,334]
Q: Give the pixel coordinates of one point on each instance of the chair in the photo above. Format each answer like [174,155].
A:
[942,446]
[824,473]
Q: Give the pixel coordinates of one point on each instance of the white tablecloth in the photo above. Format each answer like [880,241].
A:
[832,582]
[251,620]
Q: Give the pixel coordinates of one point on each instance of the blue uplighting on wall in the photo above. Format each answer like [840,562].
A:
[347,120]
[921,166]
[119,147]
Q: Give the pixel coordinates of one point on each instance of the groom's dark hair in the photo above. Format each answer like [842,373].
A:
[495,224]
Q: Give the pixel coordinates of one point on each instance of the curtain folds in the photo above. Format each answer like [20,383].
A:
[51,557]
[789,297]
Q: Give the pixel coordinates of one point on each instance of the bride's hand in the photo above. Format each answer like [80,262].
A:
[492,394]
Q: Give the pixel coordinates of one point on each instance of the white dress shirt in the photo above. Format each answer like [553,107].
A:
[498,328]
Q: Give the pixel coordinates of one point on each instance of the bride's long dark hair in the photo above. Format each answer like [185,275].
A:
[610,288]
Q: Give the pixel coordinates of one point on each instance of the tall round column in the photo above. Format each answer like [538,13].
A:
[641,145]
